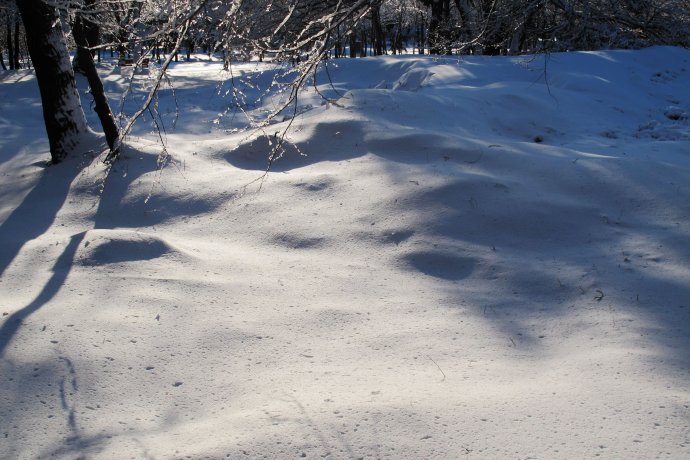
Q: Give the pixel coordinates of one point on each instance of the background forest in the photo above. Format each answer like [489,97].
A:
[380,26]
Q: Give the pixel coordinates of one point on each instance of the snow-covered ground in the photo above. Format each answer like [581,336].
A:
[477,257]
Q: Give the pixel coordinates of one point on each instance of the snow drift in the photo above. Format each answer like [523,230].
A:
[482,257]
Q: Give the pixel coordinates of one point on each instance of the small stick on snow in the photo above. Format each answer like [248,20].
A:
[439,368]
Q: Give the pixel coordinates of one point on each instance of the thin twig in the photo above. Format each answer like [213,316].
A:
[439,367]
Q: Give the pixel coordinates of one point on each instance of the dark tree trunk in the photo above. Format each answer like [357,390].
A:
[26,47]
[10,45]
[2,61]
[15,58]
[420,34]
[377,31]
[190,49]
[121,36]
[62,110]
[88,67]
[89,32]
[364,43]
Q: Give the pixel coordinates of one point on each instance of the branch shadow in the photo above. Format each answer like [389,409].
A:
[36,214]
[29,394]
[588,233]
[589,244]
[114,209]
[31,219]
[60,270]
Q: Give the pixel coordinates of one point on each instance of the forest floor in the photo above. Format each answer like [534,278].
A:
[480,257]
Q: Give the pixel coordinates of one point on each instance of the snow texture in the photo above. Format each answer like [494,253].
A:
[484,257]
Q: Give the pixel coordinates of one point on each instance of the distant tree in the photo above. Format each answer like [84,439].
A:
[8,39]
[3,42]
[15,56]
[379,39]
[512,26]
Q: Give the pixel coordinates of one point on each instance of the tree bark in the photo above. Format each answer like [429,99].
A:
[89,34]
[10,45]
[377,31]
[17,64]
[353,45]
[62,111]
[88,67]
[420,34]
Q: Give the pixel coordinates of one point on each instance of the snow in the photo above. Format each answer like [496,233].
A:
[480,257]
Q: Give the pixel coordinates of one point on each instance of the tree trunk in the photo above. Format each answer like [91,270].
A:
[420,34]
[62,110]
[364,43]
[17,64]
[377,31]
[88,67]
[190,48]
[2,61]
[10,45]
[90,33]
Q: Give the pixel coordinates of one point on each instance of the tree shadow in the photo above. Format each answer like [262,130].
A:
[586,244]
[36,214]
[30,393]
[60,270]
[585,236]
[33,218]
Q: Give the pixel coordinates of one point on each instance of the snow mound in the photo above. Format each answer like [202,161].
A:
[103,247]
[525,117]
[256,154]
[581,82]
[413,80]
[342,136]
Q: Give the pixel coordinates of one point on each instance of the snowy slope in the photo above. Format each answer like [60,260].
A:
[480,257]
